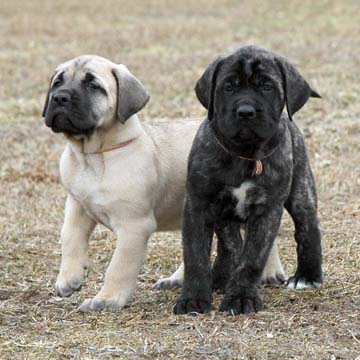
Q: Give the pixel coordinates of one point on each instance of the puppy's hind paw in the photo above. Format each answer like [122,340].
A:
[168,283]
[300,283]
[274,279]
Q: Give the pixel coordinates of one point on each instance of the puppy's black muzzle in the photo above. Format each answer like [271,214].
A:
[242,120]
[247,119]
[56,116]
[63,114]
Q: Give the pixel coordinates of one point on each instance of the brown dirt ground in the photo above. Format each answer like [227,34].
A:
[167,45]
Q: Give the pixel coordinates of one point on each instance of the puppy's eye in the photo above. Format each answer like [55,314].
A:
[57,83]
[231,85]
[93,85]
[228,86]
[91,82]
[267,86]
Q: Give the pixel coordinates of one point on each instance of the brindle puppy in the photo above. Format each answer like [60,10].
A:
[248,161]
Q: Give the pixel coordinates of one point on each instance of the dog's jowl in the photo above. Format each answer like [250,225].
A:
[248,162]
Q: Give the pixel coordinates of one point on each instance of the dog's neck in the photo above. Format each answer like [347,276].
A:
[107,138]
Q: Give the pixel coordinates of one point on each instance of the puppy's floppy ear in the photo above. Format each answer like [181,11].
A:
[131,93]
[296,90]
[47,96]
[205,86]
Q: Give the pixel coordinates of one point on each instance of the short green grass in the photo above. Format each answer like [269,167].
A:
[167,45]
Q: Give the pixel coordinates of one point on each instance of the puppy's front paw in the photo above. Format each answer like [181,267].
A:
[299,283]
[186,305]
[67,285]
[247,301]
[98,304]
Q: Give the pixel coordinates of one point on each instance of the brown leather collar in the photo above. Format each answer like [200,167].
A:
[118,146]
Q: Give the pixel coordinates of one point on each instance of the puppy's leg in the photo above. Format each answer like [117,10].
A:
[124,267]
[175,280]
[242,292]
[197,232]
[273,273]
[302,206]
[75,234]
[229,249]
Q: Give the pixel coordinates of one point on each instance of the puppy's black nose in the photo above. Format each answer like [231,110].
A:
[245,112]
[62,98]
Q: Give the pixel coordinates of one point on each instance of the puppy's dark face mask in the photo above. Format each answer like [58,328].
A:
[72,106]
[245,94]
[248,100]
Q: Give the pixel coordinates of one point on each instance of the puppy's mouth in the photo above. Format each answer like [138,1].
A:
[243,133]
[60,122]
[252,132]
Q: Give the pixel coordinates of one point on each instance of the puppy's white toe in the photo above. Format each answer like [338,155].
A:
[295,283]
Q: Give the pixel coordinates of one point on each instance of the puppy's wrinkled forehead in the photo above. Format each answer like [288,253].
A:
[244,67]
[85,66]
[252,61]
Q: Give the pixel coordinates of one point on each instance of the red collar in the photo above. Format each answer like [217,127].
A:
[118,146]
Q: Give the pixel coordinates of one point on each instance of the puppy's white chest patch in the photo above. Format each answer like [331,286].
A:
[241,194]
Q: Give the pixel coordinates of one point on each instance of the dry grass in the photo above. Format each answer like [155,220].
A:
[167,45]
